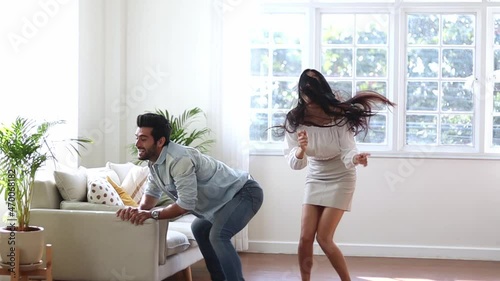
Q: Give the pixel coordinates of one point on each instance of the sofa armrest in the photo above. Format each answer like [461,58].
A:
[45,192]
[94,245]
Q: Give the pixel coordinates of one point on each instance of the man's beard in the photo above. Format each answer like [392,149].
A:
[146,155]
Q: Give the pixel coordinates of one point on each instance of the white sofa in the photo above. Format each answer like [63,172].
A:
[90,243]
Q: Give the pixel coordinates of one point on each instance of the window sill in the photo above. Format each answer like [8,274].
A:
[403,155]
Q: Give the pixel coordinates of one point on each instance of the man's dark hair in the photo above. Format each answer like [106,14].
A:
[160,124]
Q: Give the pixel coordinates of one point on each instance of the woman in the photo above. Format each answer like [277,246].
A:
[320,134]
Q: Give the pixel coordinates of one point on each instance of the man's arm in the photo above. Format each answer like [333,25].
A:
[148,202]
[171,211]
[143,212]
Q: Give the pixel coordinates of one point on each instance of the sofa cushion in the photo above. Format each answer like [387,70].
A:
[183,225]
[177,242]
[71,183]
[101,192]
[120,169]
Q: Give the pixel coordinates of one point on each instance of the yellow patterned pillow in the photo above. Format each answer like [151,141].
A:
[127,200]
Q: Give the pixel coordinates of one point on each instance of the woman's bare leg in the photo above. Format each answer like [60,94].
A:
[327,225]
[309,224]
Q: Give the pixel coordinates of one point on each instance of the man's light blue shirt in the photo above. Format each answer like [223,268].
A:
[197,182]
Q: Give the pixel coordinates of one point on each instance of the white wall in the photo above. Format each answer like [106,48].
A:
[137,56]
[441,208]
[438,208]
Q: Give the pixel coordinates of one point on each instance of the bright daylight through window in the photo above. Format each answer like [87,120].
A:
[39,63]
[424,56]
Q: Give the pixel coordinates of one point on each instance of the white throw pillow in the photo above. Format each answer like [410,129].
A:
[100,191]
[135,182]
[120,169]
[102,172]
[72,183]
[176,242]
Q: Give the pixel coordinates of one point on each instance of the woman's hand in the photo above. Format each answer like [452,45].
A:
[134,215]
[303,141]
[361,159]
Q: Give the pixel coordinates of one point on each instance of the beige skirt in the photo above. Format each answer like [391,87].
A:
[330,184]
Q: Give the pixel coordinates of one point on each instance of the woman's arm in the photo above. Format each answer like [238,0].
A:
[295,154]
[348,149]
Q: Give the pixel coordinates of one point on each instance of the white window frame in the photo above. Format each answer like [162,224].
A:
[398,10]
[490,80]
[440,149]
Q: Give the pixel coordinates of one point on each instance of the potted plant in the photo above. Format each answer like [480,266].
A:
[182,134]
[24,149]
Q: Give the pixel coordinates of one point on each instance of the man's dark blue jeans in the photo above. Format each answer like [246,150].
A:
[214,240]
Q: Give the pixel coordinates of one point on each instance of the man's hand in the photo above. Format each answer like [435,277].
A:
[134,215]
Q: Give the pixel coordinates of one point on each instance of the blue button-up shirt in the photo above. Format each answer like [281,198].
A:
[197,182]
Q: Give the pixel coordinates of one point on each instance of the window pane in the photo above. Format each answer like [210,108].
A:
[278,119]
[440,95]
[456,129]
[495,106]
[371,63]
[260,95]
[287,62]
[260,32]
[457,63]
[496,131]
[423,29]
[337,62]
[344,89]
[378,86]
[422,96]
[458,29]
[423,62]
[496,98]
[456,97]
[496,58]
[376,133]
[287,29]
[372,29]
[337,29]
[496,29]
[276,44]
[359,63]
[421,129]
[260,62]
[284,94]
[258,127]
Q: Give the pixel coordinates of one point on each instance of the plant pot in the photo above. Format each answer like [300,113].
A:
[30,244]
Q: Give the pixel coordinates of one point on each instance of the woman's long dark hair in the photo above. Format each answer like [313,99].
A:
[355,112]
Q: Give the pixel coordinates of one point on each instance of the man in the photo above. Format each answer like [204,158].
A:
[223,199]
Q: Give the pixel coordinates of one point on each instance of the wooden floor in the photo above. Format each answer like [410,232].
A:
[275,267]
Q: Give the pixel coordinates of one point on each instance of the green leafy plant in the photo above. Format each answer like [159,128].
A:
[182,134]
[24,149]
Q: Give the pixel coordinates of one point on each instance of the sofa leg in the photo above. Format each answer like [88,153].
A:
[187,274]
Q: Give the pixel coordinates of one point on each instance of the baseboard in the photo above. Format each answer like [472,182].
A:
[372,250]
